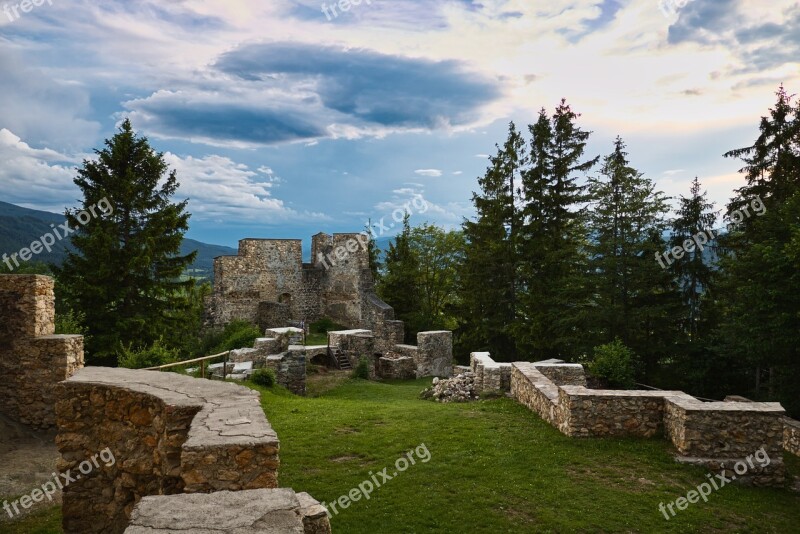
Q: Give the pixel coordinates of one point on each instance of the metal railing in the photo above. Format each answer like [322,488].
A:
[202,361]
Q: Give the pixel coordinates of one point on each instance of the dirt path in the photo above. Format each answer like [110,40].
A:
[27,460]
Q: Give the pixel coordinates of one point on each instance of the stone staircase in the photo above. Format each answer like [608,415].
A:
[342,361]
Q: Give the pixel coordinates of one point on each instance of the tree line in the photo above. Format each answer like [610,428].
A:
[575,257]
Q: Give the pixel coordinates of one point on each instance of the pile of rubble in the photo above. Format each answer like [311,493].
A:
[460,388]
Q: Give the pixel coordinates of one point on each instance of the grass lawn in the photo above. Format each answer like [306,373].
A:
[494,467]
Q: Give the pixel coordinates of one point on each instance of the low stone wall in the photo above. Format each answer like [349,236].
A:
[397,368]
[563,374]
[717,435]
[600,413]
[791,436]
[262,510]
[489,375]
[32,359]
[168,434]
[290,369]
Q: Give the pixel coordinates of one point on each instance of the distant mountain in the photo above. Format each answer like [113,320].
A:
[19,227]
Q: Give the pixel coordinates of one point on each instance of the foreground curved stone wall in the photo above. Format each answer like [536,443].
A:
[168,434]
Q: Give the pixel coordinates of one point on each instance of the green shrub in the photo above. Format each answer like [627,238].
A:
[362,369]
[71,322]
[152,356]
[323,326]
[615,363]
[264,377]
[236,335]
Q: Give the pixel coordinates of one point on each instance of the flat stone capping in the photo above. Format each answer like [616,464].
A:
[240,512]
[168,433]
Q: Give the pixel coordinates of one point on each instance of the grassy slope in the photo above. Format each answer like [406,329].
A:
[495,467]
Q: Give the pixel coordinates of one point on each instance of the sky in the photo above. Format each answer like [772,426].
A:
[284,118]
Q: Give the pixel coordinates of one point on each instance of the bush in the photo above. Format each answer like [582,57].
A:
[615,363]
[236,335]
[152,356]
[323,326]
[71,322]
[264,377]
[362,369]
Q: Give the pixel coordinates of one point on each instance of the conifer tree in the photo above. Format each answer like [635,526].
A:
[552,244]
[634,299]
[489,278]
[761,285]
[125,271]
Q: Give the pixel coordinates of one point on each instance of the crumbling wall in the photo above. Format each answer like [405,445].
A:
[32,359]
[435,354]
[168,434]
[267,284]
[717,435]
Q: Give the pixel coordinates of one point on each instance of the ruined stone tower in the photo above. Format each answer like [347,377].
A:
[268,284]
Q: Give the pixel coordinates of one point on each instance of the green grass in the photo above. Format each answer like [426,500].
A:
[43,520]
[317,339]
[495,467]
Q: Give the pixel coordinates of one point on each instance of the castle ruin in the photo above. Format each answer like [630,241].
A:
[268,284]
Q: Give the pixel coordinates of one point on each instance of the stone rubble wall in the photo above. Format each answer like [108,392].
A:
[563,374]
[435,354]
[168,434]
[252,511]
[32,359]
[290,369]
[397,368]
[489,375]
[791,436]
[713,434]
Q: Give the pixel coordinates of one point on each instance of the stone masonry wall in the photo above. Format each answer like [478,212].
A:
[489,375]
[32,359]
[716,435]
[791,436]
[168,434]
[435,354]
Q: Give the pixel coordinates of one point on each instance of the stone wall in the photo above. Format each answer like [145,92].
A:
[489,375]
[32,359]
[395,367]
[791,436]
[435,354]
[716,435]
[262,510]
[168,434]
[290,369]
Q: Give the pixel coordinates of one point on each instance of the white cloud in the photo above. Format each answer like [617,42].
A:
[36,178]
[221,189]
[434,173]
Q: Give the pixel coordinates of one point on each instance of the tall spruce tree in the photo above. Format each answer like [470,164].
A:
[634,300]
[761,283]
[489,278]
[552,243]
[694,271]
[398,283]
[124,273]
